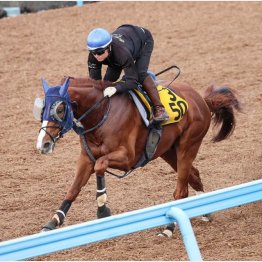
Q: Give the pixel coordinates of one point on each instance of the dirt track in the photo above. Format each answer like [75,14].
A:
[215,42]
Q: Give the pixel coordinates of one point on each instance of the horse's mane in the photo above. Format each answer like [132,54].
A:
[86,82]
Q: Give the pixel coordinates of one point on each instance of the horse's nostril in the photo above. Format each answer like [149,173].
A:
[47,148]
[47,145]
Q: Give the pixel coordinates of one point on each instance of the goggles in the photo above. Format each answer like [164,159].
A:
[57,111]
[99,51]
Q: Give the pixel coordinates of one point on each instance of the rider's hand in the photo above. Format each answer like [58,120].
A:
[109,91]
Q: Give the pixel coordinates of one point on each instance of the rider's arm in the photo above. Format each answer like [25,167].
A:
[94,68]
[131,78]
[112,74]
[126,61]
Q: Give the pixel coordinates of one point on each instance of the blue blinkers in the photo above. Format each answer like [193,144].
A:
[57,107]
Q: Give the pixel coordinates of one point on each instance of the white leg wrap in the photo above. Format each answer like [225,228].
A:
[167,233]
[61,212]
[57,218]
[101,200]
[207,218]
[101,191]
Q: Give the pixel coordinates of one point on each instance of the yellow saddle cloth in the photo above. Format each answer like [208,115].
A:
[175,106]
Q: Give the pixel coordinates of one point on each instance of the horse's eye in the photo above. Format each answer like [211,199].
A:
[58,111]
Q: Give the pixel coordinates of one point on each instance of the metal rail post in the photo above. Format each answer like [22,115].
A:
[187,232]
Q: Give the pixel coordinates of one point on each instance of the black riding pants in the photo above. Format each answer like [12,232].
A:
[142,62]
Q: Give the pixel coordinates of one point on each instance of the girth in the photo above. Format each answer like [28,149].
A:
[155,131]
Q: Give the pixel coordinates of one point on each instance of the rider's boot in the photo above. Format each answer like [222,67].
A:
[159,112]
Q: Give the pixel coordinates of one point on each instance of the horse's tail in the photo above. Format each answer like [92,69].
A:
[221,102]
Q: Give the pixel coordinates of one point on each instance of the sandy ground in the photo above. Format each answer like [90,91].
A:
[212,42]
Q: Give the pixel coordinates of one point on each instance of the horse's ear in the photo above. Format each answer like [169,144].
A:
[64,87]
[45,85]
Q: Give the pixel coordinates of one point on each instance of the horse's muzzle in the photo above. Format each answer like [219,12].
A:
[46,148]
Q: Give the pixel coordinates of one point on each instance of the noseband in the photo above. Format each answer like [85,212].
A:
[54,139]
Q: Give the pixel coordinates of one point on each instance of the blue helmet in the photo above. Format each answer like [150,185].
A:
[98,38]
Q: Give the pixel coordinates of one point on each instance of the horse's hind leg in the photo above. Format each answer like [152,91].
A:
[194,177]
[171,159]
[196,183]
[195,180]
[180,159]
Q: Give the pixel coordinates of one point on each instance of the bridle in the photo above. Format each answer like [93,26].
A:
[54,139]
[76,123]
[89,111]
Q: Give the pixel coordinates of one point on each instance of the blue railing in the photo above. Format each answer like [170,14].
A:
[131,222]
[12,11]
[15,11]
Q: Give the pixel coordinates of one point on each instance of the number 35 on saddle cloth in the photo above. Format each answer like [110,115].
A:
[175,106]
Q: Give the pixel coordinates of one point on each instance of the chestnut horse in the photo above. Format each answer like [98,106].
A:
[114,134]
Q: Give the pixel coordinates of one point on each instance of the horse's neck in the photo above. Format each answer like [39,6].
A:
[88,82]
[83,98]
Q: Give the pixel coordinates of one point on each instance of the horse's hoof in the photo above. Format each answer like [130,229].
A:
[45,229]
[207,218]
[166,233]
[103,211]
[51,225]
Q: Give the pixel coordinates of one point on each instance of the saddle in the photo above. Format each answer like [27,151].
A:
[176,108]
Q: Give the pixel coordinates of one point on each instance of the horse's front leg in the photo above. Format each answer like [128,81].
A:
[85,168]
[117,159]
[101,197]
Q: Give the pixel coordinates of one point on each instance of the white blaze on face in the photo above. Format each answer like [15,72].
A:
[41,135]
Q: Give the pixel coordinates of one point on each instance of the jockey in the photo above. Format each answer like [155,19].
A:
[128,48]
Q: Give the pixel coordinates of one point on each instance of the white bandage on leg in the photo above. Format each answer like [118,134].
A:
[101,191]
[167,233]
[101,200]
[57,217]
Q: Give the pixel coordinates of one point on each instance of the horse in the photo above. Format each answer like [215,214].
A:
[113,134]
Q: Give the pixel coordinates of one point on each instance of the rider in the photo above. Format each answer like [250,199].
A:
[128,48]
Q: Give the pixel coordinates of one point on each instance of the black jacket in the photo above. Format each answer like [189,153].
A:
[126,47]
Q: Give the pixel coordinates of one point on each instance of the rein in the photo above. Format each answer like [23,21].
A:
[83,132]
[90,154]
[90,110]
